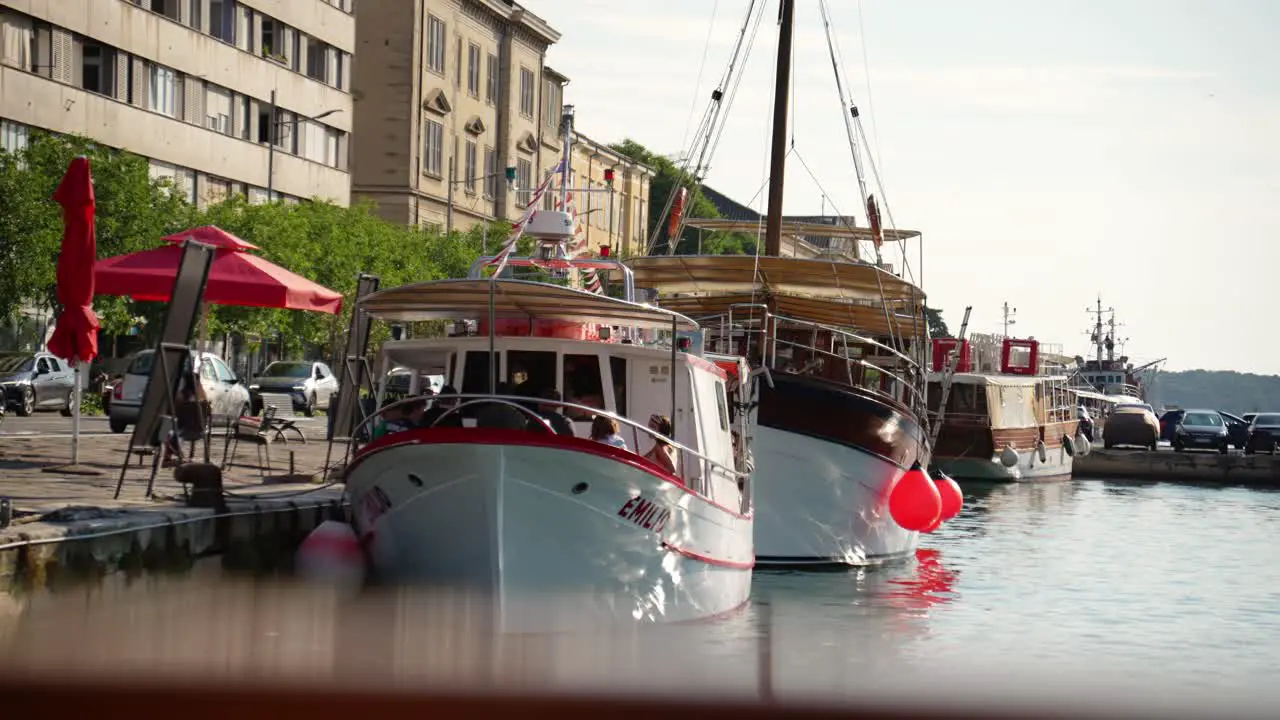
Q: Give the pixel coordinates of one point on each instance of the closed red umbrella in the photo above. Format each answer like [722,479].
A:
[235,277]
[76,335]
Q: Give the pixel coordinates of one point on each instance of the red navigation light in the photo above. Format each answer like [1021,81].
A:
[608,175]
[604,251]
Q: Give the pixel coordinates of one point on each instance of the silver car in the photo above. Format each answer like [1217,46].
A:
[228,397]
[309,385]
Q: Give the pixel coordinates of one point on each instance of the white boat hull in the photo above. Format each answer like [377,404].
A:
[1056,465]
[560,533]
[821,503]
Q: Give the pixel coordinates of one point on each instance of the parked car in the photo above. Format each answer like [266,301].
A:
[1264,433]
[1201,429]
[398,382]
[1131,424]
[1169,421]
[1237,429]
[228,397]
[309,385]
[31,381]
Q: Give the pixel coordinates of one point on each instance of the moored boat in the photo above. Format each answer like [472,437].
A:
[562,530]
[837,423]
[1009,415]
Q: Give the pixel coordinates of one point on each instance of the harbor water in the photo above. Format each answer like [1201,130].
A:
[1082,590]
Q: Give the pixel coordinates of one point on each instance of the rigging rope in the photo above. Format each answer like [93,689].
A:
[711,127]
[702,66]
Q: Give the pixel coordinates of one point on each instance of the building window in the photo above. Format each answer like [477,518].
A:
[526,92]
[195,16]
[162,90]
[551,104]
[491,85]
[471,167]
[490,173]
[473,70]
[217,109]
[181,181]
[433,149]
[524,176]
[98,69]
[457,68]
[321,61]
[17,40]
[13,136]
[213,190]
[167,8]
[435,44]
[222,15]
[243,32]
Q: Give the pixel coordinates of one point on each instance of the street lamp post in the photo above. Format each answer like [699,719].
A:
[272,126]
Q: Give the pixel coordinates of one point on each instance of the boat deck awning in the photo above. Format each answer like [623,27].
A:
[469,300]
[712,274]
[866,318]
[798,229]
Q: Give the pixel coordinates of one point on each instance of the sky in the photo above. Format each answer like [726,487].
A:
[1049,151]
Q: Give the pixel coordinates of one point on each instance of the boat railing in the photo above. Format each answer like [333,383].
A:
[723,327]
[916,393]
[698,482]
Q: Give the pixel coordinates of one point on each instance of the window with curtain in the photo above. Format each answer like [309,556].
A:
[162,90]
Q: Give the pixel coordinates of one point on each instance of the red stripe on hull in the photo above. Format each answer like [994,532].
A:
[526,438]
[731,564]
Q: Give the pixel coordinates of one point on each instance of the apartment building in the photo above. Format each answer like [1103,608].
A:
[459,116]
[615,211]
[223,96]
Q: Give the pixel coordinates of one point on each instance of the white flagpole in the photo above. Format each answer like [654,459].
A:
[75,415]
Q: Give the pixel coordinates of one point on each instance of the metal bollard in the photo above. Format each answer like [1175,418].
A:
[6,512]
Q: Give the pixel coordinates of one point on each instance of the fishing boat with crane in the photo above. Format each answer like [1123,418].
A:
[840,422]
[651,521]
[1105,380]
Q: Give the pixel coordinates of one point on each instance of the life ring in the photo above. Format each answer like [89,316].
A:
[1068,446]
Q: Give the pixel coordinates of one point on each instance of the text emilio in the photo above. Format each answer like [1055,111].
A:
[645,513]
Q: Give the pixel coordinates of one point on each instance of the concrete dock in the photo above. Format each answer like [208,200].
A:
[68,528]
[1166,465]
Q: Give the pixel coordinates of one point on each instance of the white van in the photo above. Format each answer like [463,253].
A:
[228,397]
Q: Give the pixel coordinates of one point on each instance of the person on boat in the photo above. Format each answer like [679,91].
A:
[400,417]
[662,454]
[553,413]
[605,429]
[445,401]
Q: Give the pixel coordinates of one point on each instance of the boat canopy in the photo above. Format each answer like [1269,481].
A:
[680,274]
[866,317]
[799,229]
[467,299]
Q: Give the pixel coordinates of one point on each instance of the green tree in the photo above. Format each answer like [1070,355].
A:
[667,177]
[132,212]
[937,326]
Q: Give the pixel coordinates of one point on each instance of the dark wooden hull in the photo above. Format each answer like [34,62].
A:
[844,415]
[971,439]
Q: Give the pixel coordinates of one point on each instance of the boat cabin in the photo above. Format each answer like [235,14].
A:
[850,324]
[550,337]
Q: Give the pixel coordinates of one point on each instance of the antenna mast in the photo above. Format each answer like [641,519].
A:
[1009,313]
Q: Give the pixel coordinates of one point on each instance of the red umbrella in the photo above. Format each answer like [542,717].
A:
[235,278]
[76,335]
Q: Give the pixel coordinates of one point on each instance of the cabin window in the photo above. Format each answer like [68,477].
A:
[722,405]
[531,372]
[475,373]
[582,384]
[618,368]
